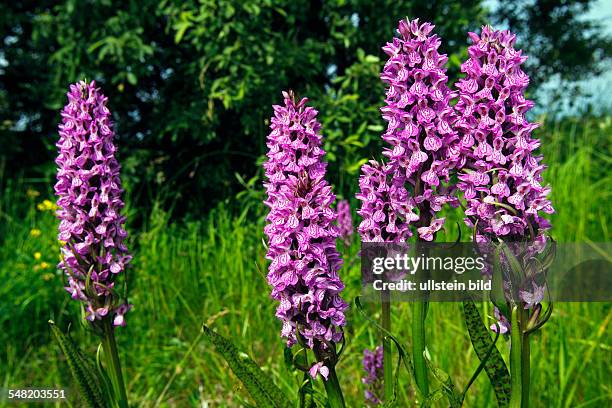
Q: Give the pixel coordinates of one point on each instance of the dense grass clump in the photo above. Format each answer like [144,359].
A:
[212,271]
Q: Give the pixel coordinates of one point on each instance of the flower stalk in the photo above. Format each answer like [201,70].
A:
[113,365]
[419,313]
[388,382]
[526,369]
[335,398]
[520,358]
[94,255]
[516,360]
[302,232]
[503,187]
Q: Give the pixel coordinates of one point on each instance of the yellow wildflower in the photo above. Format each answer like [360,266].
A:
[46,205]
[37,256]
[44,265]
[35,232]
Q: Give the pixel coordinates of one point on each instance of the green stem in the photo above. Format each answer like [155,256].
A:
[113,365]
[418,346]
[516,360]
[332,387]
[525,364]
[388,381]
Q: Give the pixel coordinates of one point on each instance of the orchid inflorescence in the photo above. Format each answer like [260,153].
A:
[301,231]
[345,221]
[373,366]
[89,192]
[413,185]
[501,179]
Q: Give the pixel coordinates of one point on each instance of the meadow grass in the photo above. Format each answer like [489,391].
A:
[213,271]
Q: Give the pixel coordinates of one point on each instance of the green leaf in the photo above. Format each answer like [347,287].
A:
[132,78]
[181,27]
[307,394]
[516,269]
[488,354]
[497,294]
[448,387]
[376,128]
[355,167]
[259,385]
[81,369]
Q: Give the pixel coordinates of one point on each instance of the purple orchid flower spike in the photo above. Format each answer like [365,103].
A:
[301,232]
[404,194]
[422,144]
[502,178]
[89,191]
[502,183]
[93,254]
[373,380]
[345,221]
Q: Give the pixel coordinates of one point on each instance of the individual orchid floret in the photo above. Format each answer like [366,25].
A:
[503,324]
[502,178]
[301,230]
[345,221]
[89,190]
[373,380]
[319,368]
[423,146]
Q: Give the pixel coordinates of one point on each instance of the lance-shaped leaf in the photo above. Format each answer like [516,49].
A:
[497,294]
[487,353]
[448,389]
[81,369]
[261,388]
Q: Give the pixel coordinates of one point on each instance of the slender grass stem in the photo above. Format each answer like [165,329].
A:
[418,346]
[385,304]
[113,364]
[334,392]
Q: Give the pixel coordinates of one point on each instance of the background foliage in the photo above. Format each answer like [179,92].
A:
[190,84]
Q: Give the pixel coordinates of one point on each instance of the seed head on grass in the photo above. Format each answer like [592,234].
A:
[301,229]
[88,193]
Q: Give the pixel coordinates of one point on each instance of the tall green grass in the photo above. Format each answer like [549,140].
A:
[213,271]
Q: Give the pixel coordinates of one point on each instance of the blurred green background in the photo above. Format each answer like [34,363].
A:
[191,86]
